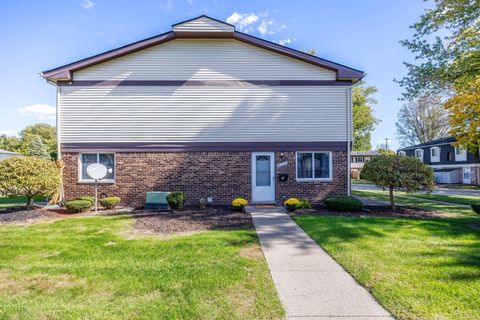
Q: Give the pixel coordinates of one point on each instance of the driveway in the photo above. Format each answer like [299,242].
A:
[438,190]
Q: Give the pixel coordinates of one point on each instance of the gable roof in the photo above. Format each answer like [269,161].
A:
[201,27]
[432,143]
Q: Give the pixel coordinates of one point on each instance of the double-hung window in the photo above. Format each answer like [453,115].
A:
[435,154]
[314,166]
[86,159]
[419,154]
[460,154]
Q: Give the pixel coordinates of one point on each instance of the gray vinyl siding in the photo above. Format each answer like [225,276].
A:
[201,25]
[203,114]
[204,59]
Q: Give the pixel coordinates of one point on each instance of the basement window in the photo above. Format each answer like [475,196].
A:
[86,159]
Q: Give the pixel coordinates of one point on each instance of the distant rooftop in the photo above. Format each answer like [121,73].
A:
[364,153]
[447,140]
[8,152]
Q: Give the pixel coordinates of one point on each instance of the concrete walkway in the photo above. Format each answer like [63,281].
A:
[310,284]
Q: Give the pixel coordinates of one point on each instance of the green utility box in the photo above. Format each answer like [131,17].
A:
[156,200]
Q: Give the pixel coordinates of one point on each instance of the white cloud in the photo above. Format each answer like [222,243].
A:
[40,111]
[7,132]
[88,4]
[284,42]
[255,22]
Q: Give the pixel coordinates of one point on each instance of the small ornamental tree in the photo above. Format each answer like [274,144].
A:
[29,177]
[397,173]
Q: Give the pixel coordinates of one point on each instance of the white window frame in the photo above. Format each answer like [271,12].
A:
[419,158]
[80,180]
[330,167]
[437,157]
[460,156]
[402,153]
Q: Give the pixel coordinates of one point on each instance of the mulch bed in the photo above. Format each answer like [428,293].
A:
[378,211]
[189,220]
[23,215]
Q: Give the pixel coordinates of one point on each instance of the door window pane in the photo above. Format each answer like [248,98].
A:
[304,165]
[322,165]
[262,173]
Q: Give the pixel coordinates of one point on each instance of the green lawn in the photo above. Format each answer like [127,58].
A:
[450,210]
[468,200]
[20,199]
[92,268]
[459,186]
[417,269]
[360,181]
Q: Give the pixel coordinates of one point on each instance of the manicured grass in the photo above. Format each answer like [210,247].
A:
[21,199]
[360,181]
[459,186]
[93,268]
[450,210]
[417,269]
[467,200]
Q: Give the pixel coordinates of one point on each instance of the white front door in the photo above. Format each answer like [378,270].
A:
[263,177]
[467,177]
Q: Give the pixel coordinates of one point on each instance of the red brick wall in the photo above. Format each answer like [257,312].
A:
[222,175]
[315,191]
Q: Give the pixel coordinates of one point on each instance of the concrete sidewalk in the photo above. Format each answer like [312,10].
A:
[310,284]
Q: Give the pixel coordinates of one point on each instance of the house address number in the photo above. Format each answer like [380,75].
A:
[282,164]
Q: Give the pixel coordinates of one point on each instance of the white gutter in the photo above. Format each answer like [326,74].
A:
[57,129]
[349,138]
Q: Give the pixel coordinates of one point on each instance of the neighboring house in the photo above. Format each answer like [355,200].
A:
[358,159]
[450,164]
[4,154]
[206,110]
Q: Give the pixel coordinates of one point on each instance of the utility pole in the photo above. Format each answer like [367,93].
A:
[386,143]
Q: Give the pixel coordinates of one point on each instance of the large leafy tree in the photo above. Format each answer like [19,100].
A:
[364,120]
[421,120]
[21,144]
[397,173]
[447,48]
[46,132]
[29,177]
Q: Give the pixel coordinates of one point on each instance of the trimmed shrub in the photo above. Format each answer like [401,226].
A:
[304,204]
[109,202]
[343,203]
[476,207]
[176,200]
[238,204]
[87,198]
[291,204]
[74,206]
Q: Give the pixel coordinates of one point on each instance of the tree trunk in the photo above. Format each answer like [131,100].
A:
[392,200]
[29,201]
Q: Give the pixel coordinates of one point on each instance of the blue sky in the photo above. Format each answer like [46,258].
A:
[40,35]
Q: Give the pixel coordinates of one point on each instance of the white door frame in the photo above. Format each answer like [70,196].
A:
[469,180]
[263,194]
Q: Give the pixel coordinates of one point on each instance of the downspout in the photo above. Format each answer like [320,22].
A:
[349,138]
[57,127]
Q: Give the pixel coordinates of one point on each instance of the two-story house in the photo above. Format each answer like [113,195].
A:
[206,110]
[358,160]
[450,164]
